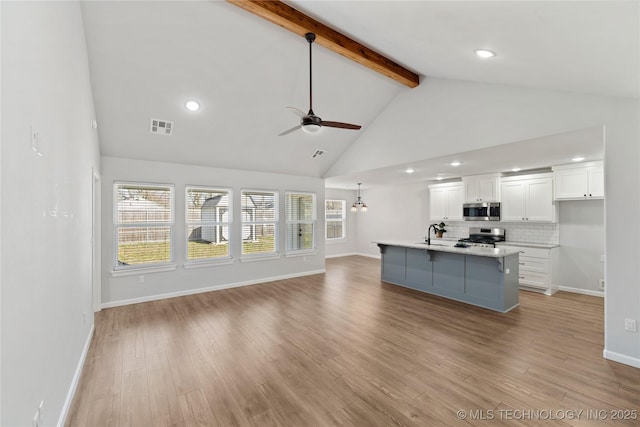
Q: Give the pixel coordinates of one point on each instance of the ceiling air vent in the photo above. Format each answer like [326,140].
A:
[161,127]
[318,153]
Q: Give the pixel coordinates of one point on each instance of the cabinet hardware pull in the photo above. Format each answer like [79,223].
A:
[520,277]
[521,263]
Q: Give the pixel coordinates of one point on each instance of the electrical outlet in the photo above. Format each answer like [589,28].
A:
[507,271]
[601,284]
[140,279]
[602,258]
[84,317]
[630,325]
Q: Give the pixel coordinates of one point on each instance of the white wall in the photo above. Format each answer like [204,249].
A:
[346,246]
[46,207]
[581,244]
[127,289]
[395,213]
[455,116]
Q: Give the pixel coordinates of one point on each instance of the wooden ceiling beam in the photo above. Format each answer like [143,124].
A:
[295,21]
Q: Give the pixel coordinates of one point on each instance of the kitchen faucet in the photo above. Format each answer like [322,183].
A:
[429,232]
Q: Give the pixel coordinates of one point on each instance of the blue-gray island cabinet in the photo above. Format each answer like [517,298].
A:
[485,277]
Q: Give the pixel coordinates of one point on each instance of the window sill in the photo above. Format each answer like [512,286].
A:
[301,253]
[270,257]
[142,270]
[204,264]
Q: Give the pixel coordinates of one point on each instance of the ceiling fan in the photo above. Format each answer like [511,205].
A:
[309,122]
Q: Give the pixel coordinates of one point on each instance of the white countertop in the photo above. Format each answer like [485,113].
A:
[471,250]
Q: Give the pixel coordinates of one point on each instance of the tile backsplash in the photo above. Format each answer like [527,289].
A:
[530,232]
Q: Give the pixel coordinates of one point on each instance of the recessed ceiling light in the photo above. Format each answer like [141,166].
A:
[456,163]
[484,53]
[410,170]
[515,170]
[192,105]
[439,178]
[578,159]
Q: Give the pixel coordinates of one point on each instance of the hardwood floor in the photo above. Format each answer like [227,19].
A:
[344,349]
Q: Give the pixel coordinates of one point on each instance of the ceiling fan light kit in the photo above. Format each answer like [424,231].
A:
[310,123]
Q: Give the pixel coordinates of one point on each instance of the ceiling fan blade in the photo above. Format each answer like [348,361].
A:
[287,132]
[297,111]
[340,125]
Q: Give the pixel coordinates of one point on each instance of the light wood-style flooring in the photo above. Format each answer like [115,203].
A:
[345,349]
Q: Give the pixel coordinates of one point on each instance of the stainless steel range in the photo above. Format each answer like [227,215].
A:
[484,237]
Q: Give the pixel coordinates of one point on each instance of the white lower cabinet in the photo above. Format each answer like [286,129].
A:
[537,269]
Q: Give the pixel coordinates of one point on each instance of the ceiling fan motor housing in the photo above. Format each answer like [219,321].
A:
[311,120]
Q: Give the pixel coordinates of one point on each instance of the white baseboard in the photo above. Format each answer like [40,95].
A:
[581,291]
[621,358]
[377,256]
[353,254]
[207,289]
[76,379]
[341,255]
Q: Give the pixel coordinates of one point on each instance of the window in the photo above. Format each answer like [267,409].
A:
[301,221]
[208,216]
[335,219]
[143,224]
[259,222]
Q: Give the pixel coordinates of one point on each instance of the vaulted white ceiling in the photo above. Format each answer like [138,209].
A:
[147,58]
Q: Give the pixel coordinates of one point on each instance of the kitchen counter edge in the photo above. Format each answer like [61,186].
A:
[471,250]
[529,245]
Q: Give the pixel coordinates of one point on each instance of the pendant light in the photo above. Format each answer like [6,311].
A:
[359,204]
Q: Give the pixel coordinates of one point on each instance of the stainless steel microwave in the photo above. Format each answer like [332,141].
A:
[488,211]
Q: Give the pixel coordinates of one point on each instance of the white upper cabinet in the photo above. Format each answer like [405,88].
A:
[579,181]
[481,188]
[445,202]
[527,198]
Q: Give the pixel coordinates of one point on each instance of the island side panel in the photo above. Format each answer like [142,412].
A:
[448,274]
[419,270]
[484,282]
[394,261]
[511,281]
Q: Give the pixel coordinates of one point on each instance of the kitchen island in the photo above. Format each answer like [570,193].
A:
[485,277]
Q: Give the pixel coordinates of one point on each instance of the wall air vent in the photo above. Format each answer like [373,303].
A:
[161,127]
[318,153]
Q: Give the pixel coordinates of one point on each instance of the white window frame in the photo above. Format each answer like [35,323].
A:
[312,221]
[123,270]
[226,259]
[275,254]
[343,220]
